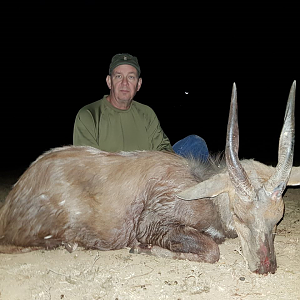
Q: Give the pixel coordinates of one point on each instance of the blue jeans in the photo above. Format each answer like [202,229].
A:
[192,146]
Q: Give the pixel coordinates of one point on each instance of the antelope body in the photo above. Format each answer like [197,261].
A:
[99,200]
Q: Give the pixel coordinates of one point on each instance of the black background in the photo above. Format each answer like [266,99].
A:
[55,57]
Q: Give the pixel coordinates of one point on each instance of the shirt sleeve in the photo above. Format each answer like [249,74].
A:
[158,138]
[85,130]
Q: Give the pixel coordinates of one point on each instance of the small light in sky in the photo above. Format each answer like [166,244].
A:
[186,93]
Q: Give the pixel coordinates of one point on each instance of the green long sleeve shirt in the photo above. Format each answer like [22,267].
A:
[107,128]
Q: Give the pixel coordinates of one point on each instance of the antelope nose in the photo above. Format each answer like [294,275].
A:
[267,266]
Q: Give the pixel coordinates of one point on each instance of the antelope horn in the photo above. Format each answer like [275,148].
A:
[238,175]
[283,169]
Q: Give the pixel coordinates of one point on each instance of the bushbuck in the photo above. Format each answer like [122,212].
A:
[83,196]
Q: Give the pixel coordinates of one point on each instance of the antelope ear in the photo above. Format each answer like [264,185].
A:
[294,177]
[212,187]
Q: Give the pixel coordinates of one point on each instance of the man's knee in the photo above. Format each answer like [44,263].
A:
[192,145]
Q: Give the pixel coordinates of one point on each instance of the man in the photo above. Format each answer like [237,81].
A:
[119,123]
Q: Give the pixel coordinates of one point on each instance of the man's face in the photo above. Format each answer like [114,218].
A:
[123,84]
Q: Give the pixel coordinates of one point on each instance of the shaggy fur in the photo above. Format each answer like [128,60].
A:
[81,195]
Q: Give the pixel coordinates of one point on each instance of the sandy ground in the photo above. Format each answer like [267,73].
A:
[120,275]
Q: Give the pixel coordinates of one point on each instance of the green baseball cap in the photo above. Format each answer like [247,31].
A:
[124,59]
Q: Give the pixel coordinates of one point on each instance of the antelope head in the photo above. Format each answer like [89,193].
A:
[256,202]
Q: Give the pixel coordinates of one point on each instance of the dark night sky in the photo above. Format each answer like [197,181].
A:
[56,58]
